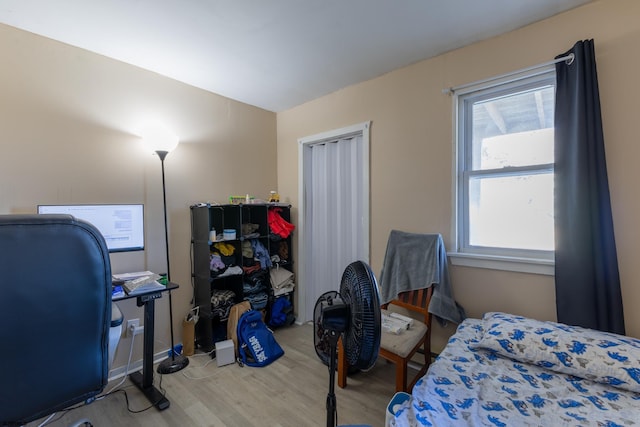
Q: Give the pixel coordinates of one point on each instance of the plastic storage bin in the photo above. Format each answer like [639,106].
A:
[229,234]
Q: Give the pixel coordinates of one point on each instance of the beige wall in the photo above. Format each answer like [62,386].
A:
[68,123]
[411,147]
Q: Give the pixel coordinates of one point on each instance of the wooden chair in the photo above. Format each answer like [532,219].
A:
[399,349]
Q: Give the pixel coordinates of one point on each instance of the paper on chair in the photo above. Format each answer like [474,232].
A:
[405,319]
[392,325]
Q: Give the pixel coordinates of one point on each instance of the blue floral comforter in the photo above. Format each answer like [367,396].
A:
[506,370]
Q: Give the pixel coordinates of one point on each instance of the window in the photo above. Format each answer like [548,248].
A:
[505,169]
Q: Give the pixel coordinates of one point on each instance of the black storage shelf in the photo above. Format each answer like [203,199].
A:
[221,217]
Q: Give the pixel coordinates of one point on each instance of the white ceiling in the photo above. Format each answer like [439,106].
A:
[274,54]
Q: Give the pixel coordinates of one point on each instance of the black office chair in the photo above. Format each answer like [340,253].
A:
[55,314]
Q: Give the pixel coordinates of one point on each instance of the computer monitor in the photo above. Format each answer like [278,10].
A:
[121,225]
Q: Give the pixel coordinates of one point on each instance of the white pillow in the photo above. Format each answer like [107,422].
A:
[595,355]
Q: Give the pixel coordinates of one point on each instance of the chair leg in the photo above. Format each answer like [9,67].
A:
[427,354]
[342,366]
[401,376]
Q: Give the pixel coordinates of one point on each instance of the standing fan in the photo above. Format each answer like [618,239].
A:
[354,314]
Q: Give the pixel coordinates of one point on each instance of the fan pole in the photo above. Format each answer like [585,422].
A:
[331,397]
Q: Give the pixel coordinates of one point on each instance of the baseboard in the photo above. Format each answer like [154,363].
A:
[119,372]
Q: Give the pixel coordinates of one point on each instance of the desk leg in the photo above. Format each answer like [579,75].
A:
[144,381]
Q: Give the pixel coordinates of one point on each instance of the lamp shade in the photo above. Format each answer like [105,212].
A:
[157,137]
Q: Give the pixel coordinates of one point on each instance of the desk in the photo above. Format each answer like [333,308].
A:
[144,380]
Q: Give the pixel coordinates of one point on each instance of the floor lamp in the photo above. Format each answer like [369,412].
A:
[162,141]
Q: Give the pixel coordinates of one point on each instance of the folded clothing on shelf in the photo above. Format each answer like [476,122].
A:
[258,300]
[221,302]
[281,280]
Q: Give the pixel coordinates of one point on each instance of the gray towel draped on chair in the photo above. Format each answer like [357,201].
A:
[415,261]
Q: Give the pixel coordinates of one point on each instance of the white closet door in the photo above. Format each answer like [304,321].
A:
[335,213]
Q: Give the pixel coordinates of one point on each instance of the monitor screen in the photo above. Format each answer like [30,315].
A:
[121,225]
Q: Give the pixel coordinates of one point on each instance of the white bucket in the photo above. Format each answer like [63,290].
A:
[394,404]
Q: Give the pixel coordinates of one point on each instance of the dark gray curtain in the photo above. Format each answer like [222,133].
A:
[586,264]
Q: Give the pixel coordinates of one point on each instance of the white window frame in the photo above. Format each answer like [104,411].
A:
[529,261]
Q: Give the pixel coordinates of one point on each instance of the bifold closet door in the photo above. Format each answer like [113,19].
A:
[335,221]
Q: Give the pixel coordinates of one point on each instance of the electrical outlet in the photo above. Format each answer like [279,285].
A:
[131,326]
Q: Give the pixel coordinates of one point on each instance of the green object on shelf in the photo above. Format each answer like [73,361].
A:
[238,200]
[163,280]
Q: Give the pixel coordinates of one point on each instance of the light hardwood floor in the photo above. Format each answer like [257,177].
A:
[291,392]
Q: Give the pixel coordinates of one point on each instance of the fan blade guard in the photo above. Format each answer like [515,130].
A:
[359,290]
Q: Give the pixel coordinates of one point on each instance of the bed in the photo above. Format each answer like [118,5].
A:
[507,370]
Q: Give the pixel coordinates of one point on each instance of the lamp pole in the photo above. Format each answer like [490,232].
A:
[178,362]
[163,154]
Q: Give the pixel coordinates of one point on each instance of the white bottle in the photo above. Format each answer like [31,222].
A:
[212,235]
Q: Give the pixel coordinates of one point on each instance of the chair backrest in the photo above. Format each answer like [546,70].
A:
[416,301]
[55,313]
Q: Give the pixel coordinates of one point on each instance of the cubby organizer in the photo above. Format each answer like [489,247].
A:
[242,229]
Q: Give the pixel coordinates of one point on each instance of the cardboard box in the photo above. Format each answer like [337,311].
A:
[225,353]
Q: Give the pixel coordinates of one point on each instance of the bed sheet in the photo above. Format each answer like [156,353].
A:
[467,386]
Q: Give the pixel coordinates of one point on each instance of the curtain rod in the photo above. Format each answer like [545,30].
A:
[568,58]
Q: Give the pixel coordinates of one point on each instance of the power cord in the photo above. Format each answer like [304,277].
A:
[126,397]
[49,419]
[208,354]
[116,389]
[126,372]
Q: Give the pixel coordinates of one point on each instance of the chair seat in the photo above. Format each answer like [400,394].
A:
[402,344]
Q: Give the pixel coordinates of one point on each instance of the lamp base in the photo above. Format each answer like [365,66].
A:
[175,363]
